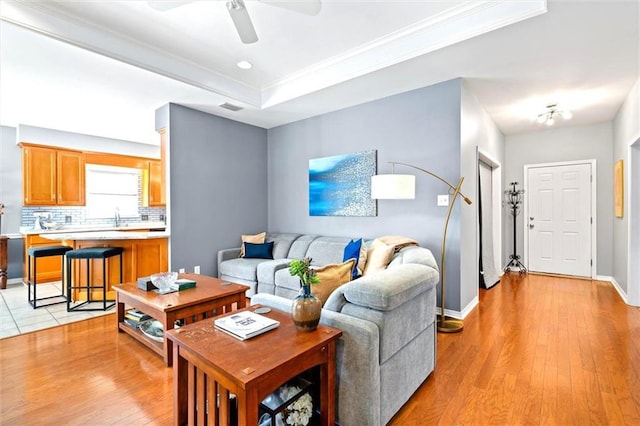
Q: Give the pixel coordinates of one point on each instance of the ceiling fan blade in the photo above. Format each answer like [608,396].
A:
[307,7]
[164,5]
[242,21]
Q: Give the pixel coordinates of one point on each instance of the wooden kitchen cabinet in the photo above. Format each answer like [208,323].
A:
[39,176]
[140,258]
[156,184]
[52,177]
[70,178]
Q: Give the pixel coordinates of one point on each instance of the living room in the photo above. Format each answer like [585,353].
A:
[437,125]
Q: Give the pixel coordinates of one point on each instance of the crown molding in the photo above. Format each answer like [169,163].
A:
[464,21]
[36,17]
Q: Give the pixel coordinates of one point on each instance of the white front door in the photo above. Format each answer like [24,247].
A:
[559,219]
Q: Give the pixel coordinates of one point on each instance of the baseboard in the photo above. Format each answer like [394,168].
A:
[615,284]
[460,314]
[15,281]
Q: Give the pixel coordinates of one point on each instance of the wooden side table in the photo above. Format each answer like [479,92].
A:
[209,364]
[210,297]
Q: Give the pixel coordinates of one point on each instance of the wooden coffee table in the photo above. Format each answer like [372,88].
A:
[209,364]
[209,298]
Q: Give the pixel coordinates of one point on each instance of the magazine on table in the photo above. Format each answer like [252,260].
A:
[245,324]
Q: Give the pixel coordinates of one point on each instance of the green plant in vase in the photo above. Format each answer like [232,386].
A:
[306,307]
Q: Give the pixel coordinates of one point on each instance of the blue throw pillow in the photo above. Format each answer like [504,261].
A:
[352,251]
[258,251]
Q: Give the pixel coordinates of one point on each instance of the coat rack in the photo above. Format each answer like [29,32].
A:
[514,201]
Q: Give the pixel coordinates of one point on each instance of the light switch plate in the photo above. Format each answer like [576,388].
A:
[443,200]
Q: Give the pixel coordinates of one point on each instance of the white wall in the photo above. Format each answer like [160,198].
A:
[82,142]
[478,132]
[566,144]
[626,230]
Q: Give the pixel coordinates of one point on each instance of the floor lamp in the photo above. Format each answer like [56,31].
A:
[396,187]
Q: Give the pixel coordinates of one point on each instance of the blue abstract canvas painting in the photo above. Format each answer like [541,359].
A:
[341,185]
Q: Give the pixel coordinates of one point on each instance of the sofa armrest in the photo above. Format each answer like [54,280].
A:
[272,301]
[385,290]
[227,254]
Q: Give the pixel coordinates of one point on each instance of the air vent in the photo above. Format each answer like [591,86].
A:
[230,107]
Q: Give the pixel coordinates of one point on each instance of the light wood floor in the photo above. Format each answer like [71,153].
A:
[538,350]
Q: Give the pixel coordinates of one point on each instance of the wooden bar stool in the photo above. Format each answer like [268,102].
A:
[33,254]
[88,254]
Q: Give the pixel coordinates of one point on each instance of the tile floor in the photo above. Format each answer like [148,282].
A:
[18,317]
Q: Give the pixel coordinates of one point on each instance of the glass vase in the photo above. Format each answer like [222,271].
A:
[306,309]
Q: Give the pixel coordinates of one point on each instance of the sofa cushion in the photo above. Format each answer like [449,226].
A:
[267,270]
[378,257]
[258,251]
[331,277]
[256,239]
[243,268]
[300,246]
[325,250]
[281,243]
[284,280]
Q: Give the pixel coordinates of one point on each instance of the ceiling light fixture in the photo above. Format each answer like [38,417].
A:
[245,65]
[551,114]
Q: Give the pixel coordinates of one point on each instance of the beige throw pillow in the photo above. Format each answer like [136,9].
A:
[378,257]
[331,277]
[255,239]
[362,258]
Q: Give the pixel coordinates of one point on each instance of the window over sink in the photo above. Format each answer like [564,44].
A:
[109,188]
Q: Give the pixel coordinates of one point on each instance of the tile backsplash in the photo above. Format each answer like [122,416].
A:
[59,214]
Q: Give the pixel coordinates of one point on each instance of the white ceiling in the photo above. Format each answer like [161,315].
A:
[104,67]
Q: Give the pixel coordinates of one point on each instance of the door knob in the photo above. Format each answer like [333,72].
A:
[530,217]
[531,225]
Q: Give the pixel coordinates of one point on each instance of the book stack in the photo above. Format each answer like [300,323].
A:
[245,324]
[134,317]
[183,284]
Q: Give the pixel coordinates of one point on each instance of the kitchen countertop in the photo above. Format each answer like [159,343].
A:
[106,235]
[93,228]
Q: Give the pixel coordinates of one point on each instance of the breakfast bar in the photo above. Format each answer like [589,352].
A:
[144,253]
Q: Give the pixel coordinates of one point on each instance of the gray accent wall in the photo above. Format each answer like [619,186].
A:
[217,185]
[566,144]
[11,197]
[420,127]
[10,180]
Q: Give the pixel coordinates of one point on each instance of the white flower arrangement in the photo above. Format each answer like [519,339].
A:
[299,413]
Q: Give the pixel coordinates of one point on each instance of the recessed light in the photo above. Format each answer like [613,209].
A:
[245,65]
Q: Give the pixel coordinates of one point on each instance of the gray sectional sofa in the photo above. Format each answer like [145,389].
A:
[387,318]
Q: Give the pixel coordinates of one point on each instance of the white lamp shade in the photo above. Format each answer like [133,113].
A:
[393,187]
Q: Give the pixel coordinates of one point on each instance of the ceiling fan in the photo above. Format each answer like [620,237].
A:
[240,16]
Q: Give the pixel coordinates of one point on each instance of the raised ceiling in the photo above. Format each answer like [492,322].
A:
[104,67]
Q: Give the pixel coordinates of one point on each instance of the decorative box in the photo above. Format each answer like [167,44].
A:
[144,283]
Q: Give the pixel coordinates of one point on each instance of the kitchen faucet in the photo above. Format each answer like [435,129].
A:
[117,217]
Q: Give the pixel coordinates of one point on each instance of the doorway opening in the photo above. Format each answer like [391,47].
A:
[489,221]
